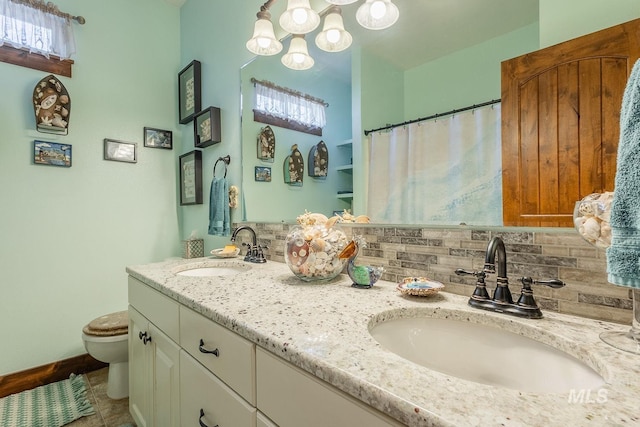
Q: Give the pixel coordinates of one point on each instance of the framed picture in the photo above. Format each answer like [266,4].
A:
[189,92]
[263,173]
[206,127]
[158,138]
[51,153]
[191,178]
[120,151]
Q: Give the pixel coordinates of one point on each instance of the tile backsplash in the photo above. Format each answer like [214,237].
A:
[437,252]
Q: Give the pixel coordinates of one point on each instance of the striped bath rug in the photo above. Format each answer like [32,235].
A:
[51,405]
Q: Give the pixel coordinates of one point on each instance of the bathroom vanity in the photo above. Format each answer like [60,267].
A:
[258,347]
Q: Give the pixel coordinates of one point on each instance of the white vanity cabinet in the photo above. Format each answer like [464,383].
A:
[154,365]
[291,397]
[186,370]
[217,367]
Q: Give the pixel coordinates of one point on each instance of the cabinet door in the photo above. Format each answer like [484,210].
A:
[205,400]
[263,421]
[140,375]
[292,398]
[560,124]
[166,379]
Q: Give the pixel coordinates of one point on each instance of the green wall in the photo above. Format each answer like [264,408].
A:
[567,19]
[466,77]
[215,33]
[68,233]
[264,201]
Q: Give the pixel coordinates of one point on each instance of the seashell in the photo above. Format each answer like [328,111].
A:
[590,229]
[318,218]
[318,245]
[579,221]
[64,99]
[332,221]
[58,122]
[362,219]
[64,112]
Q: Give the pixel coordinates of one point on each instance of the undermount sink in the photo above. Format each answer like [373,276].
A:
[485,354]
[214,270]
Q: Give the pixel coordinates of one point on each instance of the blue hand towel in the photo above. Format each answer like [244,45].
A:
[623,256]
[219,208]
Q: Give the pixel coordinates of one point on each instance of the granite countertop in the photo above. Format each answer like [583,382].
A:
[323,328]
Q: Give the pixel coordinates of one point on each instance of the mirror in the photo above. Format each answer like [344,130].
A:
[344,80]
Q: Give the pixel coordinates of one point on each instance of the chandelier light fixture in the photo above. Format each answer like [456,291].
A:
[297,58]
[300,19]
[264,42]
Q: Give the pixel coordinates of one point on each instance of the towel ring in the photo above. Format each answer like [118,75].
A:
[226,160]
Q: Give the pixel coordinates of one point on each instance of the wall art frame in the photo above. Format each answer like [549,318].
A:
[206,127]
[52,153]
[189,96]
[191,178]
[120,151]
[263,174]
[158,138]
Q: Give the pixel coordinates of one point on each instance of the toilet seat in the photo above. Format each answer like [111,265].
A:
[109,325]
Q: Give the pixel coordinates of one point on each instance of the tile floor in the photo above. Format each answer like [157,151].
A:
[109,412]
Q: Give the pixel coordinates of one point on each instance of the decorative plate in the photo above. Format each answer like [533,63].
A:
[419,286]
[51,105]
[219,253]
[266,144]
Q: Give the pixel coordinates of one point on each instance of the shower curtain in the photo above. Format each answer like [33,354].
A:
[444,171]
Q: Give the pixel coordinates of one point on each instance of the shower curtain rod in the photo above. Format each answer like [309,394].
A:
[435,116]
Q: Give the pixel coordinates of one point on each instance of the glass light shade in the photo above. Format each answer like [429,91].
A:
[299,18]
[297,58]
[264,40]
[341,2]
[377,14]
[333,37]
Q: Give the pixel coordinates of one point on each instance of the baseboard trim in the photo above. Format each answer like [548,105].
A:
[46,374]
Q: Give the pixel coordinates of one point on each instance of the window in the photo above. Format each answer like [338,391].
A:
[288,108]
[36,35]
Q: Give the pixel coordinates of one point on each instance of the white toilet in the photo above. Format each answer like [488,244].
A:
[106,339]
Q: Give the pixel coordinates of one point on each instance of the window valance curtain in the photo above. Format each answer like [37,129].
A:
[288,105]
[39,31]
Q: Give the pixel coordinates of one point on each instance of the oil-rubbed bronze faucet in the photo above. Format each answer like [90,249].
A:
[254,251]
[502,302]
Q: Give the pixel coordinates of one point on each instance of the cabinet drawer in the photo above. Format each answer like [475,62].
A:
[291,397]
[203,397]
[159,309]
[234,358]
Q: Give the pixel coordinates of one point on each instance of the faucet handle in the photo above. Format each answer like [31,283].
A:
[552,283]
[479,274]
[480,293]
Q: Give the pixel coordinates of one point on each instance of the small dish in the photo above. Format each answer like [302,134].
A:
[419,286]
[221,253]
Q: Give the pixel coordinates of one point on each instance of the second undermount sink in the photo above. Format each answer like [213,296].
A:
[485,354]
[214,270]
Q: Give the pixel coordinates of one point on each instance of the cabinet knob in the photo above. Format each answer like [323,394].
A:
[215,352]
[202,424]
[144,336]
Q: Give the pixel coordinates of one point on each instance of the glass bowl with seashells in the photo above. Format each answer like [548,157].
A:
[312,247]
[591,218]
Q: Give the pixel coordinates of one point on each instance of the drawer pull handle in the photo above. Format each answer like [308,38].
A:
[144,337]
[200,419]
[215,352]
